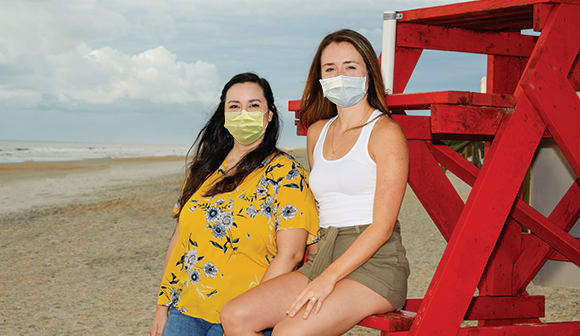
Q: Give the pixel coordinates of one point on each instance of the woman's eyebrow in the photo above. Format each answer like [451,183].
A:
[255,100]
[233,101]
[326,64]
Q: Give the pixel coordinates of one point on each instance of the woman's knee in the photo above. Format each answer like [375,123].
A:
[233,315]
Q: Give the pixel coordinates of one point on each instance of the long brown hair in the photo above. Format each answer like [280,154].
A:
[314,106]
[214,142]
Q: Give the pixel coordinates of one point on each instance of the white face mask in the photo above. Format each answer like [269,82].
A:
[344,91]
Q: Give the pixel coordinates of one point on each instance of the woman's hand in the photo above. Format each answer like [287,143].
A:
[313,295]
[159,321]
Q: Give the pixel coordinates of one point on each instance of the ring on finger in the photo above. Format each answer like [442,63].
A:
[313,299]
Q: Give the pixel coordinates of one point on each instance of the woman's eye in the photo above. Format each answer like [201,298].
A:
[328,69]
[255,105]
[233,107]
[351,67]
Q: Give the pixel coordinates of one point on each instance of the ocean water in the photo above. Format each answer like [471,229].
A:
[21,151]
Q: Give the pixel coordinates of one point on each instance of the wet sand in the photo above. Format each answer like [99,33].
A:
[82,246]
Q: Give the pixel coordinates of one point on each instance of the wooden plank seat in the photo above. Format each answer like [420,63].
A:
[389,322]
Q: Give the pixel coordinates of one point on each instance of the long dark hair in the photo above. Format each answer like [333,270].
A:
[314,106]
[214,142]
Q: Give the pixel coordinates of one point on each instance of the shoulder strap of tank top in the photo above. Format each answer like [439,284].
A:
[321,137]
[368,128]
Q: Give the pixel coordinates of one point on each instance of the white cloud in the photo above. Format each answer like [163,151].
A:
[154,75]
[59,49]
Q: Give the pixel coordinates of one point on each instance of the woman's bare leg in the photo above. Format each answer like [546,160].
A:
[348,304]
[263,306]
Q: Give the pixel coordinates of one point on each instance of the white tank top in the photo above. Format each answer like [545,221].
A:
[345,188]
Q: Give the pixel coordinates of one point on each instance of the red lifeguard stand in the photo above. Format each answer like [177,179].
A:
[531,94]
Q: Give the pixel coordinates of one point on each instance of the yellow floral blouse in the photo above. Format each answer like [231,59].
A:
[227,241]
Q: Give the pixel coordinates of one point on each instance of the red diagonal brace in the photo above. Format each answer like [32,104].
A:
[456,163]
[552,94]
[549,233]
[535,252]
[405,61]
[437,195]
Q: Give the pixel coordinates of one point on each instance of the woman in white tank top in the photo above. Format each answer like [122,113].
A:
[359,167]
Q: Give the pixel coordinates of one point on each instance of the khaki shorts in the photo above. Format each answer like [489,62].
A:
[386,272]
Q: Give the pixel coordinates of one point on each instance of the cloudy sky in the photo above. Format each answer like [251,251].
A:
[150,71]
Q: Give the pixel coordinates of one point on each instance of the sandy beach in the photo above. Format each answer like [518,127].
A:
[82,245]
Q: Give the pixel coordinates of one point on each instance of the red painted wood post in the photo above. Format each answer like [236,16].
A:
[503,74]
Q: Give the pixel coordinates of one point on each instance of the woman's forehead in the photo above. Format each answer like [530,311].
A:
[340,52]
[245,92]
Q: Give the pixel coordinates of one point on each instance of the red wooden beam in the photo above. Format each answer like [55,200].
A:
[436,193]
[389,321]
[412,35]
[549,233]
[505,307]
[423,100]
[480,223]
[462,10]
[530,329]
[405,61]
[294,105]
[300,129]
[455,163]
[535,252]
[557,256]
[574,75]
[496,279]
[481,307]
[541,12]
[503,73]
[414,127]
[539,329]
[558,104]
[555,47]
[466,120]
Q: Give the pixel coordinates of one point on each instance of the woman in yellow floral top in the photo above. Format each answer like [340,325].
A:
[245,213]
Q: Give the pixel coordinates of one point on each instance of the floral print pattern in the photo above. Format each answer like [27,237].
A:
[227,241]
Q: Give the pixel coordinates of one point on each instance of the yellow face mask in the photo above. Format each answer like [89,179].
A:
[246,127]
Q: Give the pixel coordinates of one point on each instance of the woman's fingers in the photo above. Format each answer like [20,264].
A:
[296,305]
[309,306]
[318,306]
[310,298]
